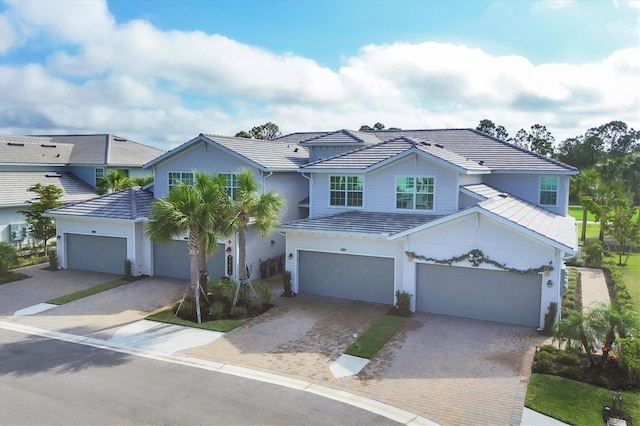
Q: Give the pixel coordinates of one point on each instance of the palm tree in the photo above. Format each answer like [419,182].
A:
[194,210]
[585,184]
[248,208]
[114,181]
[141,180]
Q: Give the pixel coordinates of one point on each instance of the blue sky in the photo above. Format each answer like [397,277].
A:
[161,72]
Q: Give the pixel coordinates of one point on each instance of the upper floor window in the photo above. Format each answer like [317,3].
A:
[548,190]
[99,175]
[415,193]
[125,172]
[346,191]
[230,184]
[176,177]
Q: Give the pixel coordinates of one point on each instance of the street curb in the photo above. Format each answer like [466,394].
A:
[393,413]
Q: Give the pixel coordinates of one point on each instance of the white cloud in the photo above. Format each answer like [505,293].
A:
[165,87]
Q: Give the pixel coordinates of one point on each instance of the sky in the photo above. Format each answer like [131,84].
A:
[160,72]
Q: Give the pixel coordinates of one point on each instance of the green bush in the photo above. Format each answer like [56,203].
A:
[593,253]
[543,367]
[550,318]
[545,356]
[127,269]
[569,358]
[223,289]
[571,372]
[238,312]
[286,284]
[569,304]
[549,348]
[8,256]
[264,292]
[53,259]
[217,310]
[403,301]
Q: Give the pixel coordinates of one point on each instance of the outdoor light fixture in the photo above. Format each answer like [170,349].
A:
[228,250]
[549,283]
[355,336]
[290,255]
[273,243]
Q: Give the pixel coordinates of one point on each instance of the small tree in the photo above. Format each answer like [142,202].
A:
[8,256]
[41,227]
[114,181]
[622,226]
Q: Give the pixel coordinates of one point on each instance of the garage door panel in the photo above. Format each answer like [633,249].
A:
[96,253]
[172,260]
[345,276]
[479,293]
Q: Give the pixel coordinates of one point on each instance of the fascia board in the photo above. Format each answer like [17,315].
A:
[535,171]
[382,235]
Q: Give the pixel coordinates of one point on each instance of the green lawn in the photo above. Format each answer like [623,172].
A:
[224,326]
[593,230]
[576,212]
[376,336]
[88,291]
[574,402]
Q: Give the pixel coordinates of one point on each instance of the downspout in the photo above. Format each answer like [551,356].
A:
[264,179]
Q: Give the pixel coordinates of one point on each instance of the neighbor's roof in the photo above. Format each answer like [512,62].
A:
[101,149]
[14,186]
[369,157]
[498,155]
[127,204]
[359,222]
[266,155]
[342,137]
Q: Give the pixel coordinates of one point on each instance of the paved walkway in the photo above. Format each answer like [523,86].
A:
[446,369]
[594,288]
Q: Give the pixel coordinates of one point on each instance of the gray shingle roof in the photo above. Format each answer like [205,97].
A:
[371,156]
[299,137]
[100,149]
[476,146]
[14,185]
[561,229]
[342,137]
[128,204]
[359,222]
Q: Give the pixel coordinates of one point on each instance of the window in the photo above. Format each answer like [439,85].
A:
[125,172]
[176,177]
[346,191]
[415,193]
[548,191]
[99,175]
[230,184]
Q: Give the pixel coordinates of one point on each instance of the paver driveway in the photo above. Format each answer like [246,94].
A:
[447,369]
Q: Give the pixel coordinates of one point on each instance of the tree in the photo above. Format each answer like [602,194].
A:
[581,152]
[609,321]
[377,126]
[195,210]
[141,180]
[247,207]
[622,226]
[114,181]
[585,185]
[8,256]
[617,138]
[538,140]
[41,227]
[265,131]
[601,202]
[490,128]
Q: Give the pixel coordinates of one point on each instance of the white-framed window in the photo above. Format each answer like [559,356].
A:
[176,177]
[230,184]
[125,172]
[415,192]
[98,174]
[549,190]
[346,191]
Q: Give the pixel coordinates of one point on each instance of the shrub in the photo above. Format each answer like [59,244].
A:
[545,356]
[217,310]
[264,292]
[223,289]
[286,284]
[593,253]
[53,259]
[571,372]
[543,367]
[238,312]
[550,318]
[569,358]
[403,301]
[628,351]
[127,269]
[549,348]
[8,256]
[569,304]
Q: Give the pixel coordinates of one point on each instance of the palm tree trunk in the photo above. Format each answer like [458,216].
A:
[194,244]
[583,235]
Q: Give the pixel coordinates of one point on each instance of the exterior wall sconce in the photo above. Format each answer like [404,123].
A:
[549,283]
[343,249]
[290,255]
[228,250]
[273,243]
[58,237]
[93,232]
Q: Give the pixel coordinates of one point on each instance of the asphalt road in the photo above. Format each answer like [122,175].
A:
[44,381]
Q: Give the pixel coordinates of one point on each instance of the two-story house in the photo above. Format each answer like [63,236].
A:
[467,224]
[74,163]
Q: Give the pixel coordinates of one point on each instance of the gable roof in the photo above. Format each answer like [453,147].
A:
[127,204]
[100,149]
[266,155]
[498,155]
[372,157]
[342,137]
[14,186]
[298,137]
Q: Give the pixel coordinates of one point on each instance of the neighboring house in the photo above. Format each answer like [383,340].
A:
[467,224]
[74,163]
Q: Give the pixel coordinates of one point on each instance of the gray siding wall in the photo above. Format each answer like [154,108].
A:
[527,187]
[380,188]
[319,152]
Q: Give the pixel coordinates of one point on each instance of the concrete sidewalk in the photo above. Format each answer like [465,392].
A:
[594,288]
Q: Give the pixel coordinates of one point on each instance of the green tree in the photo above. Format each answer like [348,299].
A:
[141,180]
[617,138]
[491,129]
[538,140]
[574,331]
[265,131]
[8,256]
[582,152]
[610,321]
[249,208]
[40,226]
[585,185]
[195,210]
[114,181]
[623,224]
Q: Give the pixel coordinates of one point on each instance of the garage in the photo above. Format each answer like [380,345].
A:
[172,260]
[479,293]
[96,253]
[346,276]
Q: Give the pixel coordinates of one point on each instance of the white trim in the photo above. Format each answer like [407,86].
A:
[414,209]
[346,192]
[540,190]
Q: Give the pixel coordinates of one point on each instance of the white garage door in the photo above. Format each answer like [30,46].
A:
[479,293]
[346,276]
[96,253]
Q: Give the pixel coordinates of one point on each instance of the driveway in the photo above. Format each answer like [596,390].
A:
[447,369]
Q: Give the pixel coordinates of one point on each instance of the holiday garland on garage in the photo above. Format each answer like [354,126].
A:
[476,257]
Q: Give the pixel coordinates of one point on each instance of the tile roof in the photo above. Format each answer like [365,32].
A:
[359,222]
[299,137]
[494,153]
[561,229]
[375,155]
[128,204]
[101,149]
[342,137]
[14,185]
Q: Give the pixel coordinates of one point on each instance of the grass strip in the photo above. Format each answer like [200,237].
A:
[376,336]
[10,276]
[573,402]
[223,326]
[88,291]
